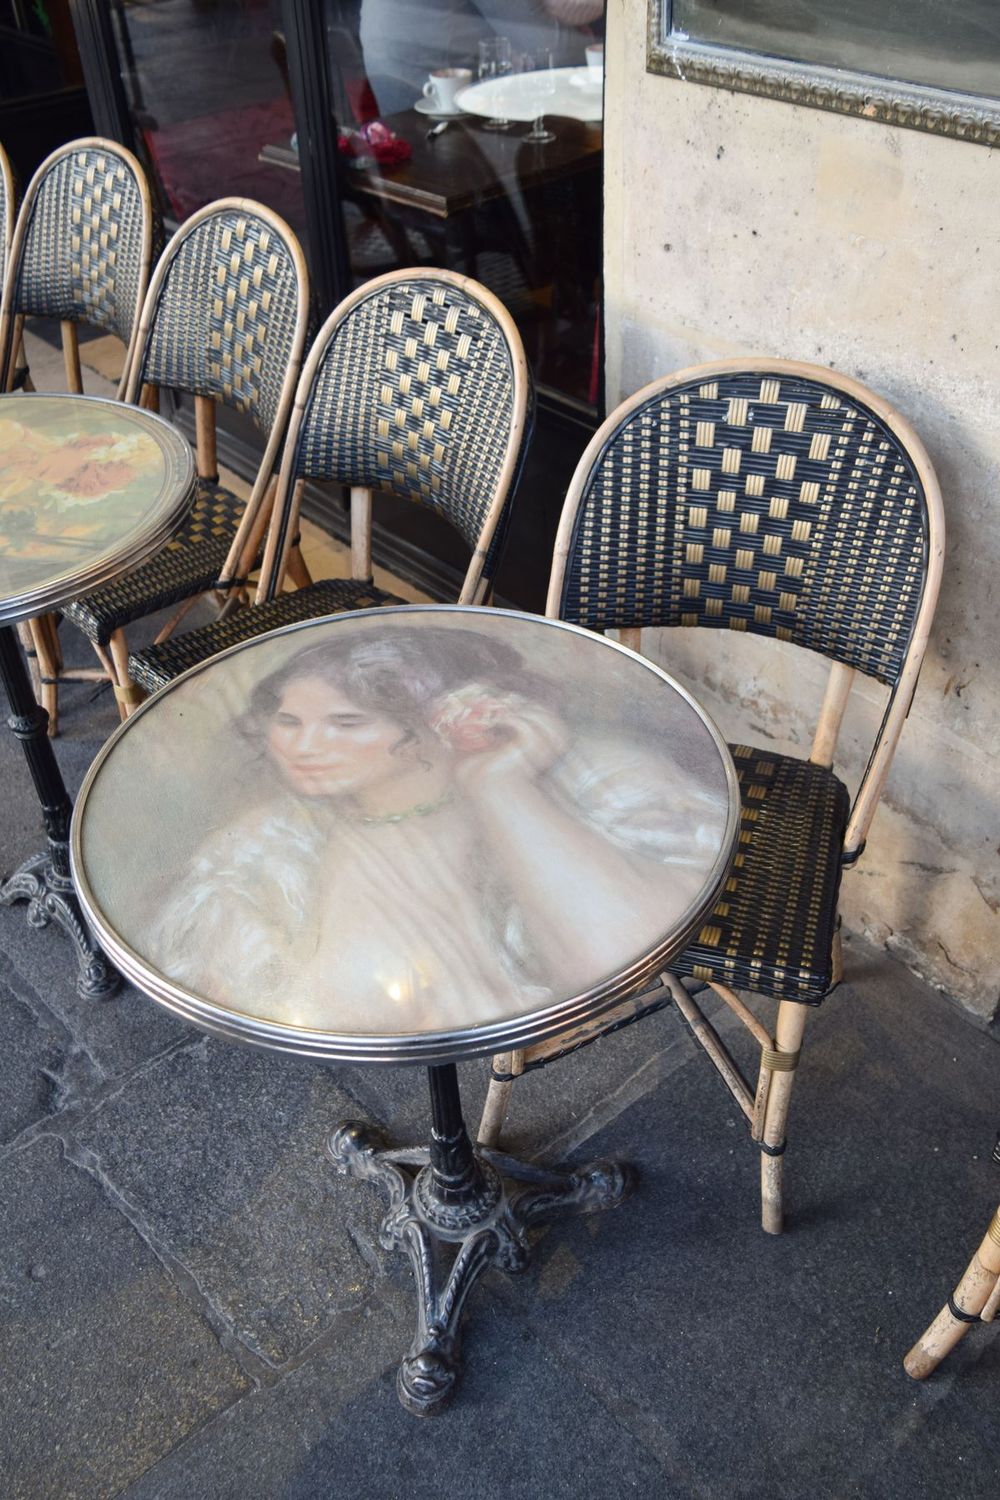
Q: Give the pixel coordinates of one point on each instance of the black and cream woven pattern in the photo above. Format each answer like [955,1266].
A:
[772,929]
[225,318]
[415,395]
[757,502]
[189,564]
[83,254]
[158,665]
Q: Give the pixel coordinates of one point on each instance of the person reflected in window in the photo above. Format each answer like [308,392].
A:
[403,41]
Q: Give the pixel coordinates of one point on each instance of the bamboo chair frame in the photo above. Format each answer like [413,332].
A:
[766,1104]
[138,390]
[976,1299]
[19,302]
[279,552]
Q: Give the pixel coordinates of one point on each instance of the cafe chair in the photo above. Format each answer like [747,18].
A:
[417,385]
[976,1299]
[783,500]
[224,320]
[80,253]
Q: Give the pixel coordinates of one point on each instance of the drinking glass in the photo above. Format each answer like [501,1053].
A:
[540,63]
[495,62]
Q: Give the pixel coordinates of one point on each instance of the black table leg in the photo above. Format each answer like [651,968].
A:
[456,1195]
[44,881]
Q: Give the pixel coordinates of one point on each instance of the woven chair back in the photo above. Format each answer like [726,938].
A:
[775,499]
[83,240]
[227,311]
[418,385]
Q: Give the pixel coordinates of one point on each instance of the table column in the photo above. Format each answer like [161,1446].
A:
[44,881]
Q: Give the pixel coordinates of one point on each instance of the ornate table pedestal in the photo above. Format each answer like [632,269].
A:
[449,1194]
[44,880]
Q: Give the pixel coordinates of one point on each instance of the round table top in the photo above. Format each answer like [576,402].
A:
[88,489]
[409,834]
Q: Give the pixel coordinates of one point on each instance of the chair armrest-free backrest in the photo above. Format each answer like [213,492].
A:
[766,496]
[417,384]
[82,243]
[226,312]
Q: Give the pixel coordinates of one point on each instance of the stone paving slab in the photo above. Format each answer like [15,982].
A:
[772,1366]
[106,1366]
[524,1428]
[218,1151]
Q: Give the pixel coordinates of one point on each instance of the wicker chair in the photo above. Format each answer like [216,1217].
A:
[416,384]
[976,1299]
[81,252]
[225,319]
[787,501]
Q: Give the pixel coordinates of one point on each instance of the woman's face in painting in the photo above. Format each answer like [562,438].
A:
[326,745]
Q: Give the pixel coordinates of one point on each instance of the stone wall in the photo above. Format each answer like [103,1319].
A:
[737,225]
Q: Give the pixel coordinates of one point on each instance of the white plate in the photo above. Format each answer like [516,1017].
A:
[518,96]
[428,107]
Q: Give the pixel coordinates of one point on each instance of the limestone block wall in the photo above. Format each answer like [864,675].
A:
[737,225]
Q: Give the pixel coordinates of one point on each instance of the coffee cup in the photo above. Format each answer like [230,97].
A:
[595,58]
[443,85]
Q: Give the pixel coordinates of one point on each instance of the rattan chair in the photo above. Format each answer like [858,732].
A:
[417,384]
[976,1299]
[225,320]
[80,252]
[779,499]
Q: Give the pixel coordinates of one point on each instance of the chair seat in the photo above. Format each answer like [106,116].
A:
[188,565]
[772,931]
[158,665]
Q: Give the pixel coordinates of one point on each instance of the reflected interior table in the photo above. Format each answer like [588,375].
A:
[88,489]
[412,835]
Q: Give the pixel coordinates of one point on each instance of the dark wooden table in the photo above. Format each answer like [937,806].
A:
[465,165]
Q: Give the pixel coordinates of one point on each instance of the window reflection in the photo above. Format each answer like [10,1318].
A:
[470,138]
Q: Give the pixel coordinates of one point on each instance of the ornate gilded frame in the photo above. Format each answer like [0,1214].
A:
[967,117]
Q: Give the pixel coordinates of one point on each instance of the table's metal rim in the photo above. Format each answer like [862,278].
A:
[111,564]
[417,1047]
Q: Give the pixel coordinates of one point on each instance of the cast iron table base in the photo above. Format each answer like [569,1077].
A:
[44,881]
[457,1196]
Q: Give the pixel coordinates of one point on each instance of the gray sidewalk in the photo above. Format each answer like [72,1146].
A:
[194,1305]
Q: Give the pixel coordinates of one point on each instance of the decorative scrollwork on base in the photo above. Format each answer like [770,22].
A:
[489,1229]
[51,898]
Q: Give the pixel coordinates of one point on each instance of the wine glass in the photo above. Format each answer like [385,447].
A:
[495,62]
[540,63]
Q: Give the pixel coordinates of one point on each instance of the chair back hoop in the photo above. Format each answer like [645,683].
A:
[226,317]
[417,384]
[8,211]
[82,244]
[765,496]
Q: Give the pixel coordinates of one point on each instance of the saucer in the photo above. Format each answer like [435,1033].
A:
[429,108]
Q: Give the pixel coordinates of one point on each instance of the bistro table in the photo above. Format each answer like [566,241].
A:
[412,835]
[88,489]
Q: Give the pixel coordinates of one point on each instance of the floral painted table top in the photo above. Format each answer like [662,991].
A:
[88,489]
[406,834]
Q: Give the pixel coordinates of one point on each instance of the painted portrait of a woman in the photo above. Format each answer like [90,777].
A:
[440,837]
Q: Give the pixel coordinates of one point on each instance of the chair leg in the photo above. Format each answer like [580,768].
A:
[47,655]
[781,1063]
[977,1287]
[498,1095]
[296,569]
[128,694]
